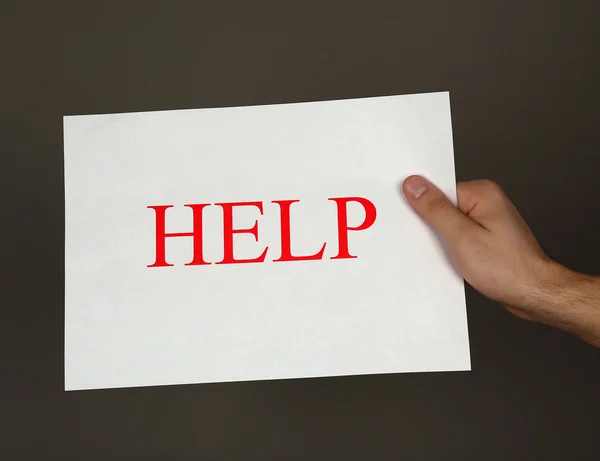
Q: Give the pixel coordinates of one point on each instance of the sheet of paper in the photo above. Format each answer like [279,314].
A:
[256,243]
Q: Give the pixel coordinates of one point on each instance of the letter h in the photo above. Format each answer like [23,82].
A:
[161,235]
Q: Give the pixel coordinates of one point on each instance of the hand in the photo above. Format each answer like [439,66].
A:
[493,248]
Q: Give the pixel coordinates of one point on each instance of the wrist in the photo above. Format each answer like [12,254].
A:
[568,300]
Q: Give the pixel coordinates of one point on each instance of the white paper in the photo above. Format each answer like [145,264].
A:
[397,307]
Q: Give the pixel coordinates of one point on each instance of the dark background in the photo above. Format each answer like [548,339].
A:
[524,79]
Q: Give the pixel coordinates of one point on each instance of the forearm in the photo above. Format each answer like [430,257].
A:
[570,301]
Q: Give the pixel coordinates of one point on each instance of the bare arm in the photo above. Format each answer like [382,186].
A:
[494,249]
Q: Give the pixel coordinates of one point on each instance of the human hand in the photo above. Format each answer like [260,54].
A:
[494,249]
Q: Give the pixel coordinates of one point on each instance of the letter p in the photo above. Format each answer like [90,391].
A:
[343,228]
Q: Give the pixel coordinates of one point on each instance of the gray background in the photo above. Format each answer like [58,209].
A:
[523,77]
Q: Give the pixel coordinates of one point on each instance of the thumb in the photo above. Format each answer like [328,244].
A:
[435,208]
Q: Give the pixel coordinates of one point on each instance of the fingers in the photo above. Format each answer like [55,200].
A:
[481,199]
[468,194]
[485,202]
[434,207]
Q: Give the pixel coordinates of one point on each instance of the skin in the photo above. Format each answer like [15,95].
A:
[494,249]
